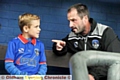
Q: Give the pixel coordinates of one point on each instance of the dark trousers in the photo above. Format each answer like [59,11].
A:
[83,59]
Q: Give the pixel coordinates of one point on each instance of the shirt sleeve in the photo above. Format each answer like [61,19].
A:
[42,54]
[42,63]
[9,61]
[13,70]
[10,52]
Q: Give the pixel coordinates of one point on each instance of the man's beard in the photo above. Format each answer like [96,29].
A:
[78,32]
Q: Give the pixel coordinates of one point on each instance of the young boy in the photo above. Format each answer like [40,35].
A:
[25,55]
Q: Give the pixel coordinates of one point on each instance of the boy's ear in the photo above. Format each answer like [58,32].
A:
[25,28]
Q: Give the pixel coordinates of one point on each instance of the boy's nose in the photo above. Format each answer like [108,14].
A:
[39,29]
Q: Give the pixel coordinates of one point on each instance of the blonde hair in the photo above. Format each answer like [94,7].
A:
[25,19]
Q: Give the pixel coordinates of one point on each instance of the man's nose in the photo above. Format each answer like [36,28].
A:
[71,24]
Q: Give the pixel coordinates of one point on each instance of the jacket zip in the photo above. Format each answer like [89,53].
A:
[85,43]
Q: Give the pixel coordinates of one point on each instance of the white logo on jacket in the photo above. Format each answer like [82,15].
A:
[76,44]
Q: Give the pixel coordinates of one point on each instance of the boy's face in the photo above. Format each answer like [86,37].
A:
[34,29]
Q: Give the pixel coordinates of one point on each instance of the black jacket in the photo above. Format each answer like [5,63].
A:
[101,38]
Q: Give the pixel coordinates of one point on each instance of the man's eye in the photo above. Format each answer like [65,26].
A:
[73,20]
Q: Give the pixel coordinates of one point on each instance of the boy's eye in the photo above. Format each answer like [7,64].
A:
[36,26]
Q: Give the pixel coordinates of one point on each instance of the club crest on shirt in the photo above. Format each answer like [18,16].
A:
[76,44]
[95,43]
[36,51]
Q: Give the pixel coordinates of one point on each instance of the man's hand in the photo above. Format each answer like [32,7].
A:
[59,44]
[91,77]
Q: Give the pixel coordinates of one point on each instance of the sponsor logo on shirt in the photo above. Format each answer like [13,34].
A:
[26,61]
[21,50]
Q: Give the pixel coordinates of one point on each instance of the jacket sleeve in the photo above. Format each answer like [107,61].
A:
[63,51]
[110,41]
[98,72]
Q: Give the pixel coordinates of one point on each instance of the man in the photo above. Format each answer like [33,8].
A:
[87,35]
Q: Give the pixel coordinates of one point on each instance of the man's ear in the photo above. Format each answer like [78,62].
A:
[25,28]
[85,19]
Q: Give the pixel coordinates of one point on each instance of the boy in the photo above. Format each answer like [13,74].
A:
[25,55]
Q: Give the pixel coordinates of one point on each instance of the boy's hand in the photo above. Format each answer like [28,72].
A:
[59,44]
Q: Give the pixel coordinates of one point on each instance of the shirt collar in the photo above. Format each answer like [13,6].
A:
[23,40]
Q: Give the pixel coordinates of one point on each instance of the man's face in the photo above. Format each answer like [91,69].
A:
[75,22]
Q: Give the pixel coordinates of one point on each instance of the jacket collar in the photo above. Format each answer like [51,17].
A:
[93,24]
[23,40]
